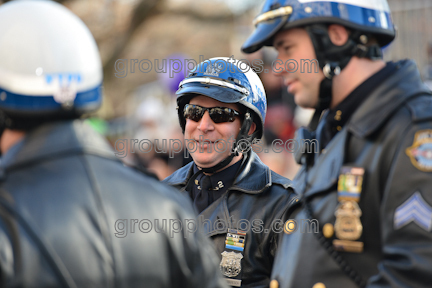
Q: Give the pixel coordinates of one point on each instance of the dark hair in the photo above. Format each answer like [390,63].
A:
[27,123]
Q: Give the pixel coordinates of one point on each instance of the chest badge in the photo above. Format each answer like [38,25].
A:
[230,264]
[348,226]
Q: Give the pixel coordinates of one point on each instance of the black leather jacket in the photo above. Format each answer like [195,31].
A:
[62,191]
[397,245]
[257,194]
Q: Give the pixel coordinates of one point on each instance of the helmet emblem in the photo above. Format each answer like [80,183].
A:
[213,70]
[66,86]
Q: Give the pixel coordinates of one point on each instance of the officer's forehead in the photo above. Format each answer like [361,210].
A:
[289,36]
[210,102]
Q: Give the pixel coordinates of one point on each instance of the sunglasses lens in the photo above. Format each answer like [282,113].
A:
[193,112]
[220,115]
[217,114]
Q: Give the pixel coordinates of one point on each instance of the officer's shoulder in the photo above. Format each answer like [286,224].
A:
[157,190]
[280,180]
[420,108]
[413,111]
[179,176]
[281,184]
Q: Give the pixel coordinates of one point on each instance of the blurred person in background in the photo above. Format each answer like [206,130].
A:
[155,121]
[152,126]
[281,106]
[62,190]
[368,188]
[231,188]
[279,124]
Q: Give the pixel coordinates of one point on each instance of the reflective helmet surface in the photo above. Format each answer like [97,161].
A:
[226,80]
[49,61]
[370,16]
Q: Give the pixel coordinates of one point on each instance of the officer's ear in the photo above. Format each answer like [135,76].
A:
[252,128]
[338,34]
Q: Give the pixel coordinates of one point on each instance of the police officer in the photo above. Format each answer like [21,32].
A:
[221,109]
[369,186]
[70,212]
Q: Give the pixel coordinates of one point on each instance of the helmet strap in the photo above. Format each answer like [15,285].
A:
[324,100]
[244,132]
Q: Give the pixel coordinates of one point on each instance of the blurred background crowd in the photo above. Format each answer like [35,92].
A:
[142,105]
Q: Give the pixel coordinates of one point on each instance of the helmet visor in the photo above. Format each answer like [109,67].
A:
[263,34]
[222,94]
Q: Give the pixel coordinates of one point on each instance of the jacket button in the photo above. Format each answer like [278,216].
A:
[274,284]
[290,227]
[319,285]
[328,230]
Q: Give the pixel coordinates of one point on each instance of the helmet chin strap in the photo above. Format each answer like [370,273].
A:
[324,101]
[243,134]
[333,59]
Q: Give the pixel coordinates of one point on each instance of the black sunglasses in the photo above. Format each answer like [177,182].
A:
[217,114]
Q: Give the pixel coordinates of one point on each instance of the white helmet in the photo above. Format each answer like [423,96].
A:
[49,63]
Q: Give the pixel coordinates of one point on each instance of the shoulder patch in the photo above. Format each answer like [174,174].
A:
[420,152]
[416,210]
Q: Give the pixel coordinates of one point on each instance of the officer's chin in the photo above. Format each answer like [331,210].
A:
[207,160]
[306,101]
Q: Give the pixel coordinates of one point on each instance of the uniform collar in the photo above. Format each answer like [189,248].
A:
[226,176]
[56,140]
[254,176]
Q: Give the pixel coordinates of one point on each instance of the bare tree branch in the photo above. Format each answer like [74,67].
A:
[201,15]
[144,10]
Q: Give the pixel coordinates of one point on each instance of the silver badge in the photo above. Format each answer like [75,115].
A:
[230,264]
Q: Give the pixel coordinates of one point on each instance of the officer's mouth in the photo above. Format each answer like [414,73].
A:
[203,144]
[290,84]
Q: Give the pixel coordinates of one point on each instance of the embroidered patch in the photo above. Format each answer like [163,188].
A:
[416,210]
[420,152]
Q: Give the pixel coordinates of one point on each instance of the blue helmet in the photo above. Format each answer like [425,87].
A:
[368,16]
[50,66]
[229,81]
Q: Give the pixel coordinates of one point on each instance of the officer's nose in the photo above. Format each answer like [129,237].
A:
[206,124]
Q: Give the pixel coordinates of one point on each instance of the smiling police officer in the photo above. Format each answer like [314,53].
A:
[240,200]
[369,187]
